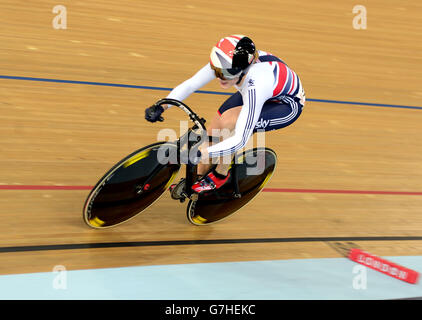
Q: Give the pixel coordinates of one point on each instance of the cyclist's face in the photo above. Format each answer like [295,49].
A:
[226,84]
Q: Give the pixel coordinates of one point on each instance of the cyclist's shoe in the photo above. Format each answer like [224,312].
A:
[210,182]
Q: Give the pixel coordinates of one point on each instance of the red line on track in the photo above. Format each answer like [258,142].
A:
[26,187]
[281,190]
[404,193]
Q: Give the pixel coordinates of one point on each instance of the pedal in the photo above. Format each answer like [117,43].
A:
[237,195]
[177,190]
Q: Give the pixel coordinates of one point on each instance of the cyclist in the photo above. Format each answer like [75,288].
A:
[270,96]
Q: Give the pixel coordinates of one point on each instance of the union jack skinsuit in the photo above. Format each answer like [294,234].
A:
[271,96]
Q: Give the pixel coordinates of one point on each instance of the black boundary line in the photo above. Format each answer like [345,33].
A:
[76,246]
[342,247]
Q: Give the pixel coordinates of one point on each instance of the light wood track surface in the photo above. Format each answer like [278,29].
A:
[70,134]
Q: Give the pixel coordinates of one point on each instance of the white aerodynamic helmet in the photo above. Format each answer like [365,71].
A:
[232,55]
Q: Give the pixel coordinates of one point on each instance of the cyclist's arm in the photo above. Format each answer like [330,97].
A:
[185,89]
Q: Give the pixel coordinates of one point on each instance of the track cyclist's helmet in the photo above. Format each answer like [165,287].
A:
[231,56]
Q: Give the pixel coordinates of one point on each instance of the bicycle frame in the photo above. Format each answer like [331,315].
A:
[193,141]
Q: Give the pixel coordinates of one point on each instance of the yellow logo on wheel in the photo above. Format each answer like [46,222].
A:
[96,222]
[136,158]
[198,219]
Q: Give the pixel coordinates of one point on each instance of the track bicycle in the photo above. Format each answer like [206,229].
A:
[139,179]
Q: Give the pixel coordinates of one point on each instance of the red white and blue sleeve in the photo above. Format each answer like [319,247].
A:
[186,88]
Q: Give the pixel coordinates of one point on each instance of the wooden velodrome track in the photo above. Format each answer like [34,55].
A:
[59,136]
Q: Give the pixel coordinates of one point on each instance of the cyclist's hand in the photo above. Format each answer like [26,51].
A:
[153,113]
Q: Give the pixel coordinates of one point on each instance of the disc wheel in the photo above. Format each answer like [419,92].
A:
[255,168]
[131,186]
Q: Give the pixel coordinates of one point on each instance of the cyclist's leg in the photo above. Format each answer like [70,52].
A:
[222,127]
[277,114]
